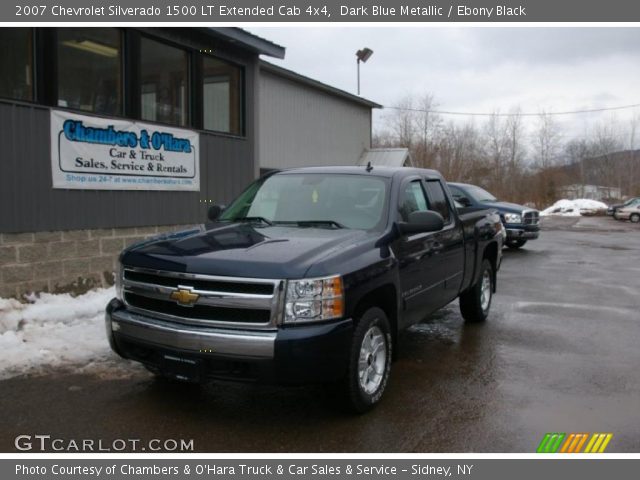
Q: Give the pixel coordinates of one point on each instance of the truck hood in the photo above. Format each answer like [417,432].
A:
[241,250]
[506,207]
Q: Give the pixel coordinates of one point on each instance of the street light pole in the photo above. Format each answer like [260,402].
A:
[362,56]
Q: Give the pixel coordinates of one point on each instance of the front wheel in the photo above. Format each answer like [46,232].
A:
[476,302]
[634,218]
[369,361]
[515,243]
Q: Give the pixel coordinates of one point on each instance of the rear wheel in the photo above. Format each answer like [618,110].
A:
[634,218]
[476,302]
[369,361]
[515,243]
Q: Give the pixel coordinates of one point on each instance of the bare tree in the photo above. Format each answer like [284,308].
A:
[633,184]
[547,141]
[427,126]
[495,150]
[516,154]
[606,142]
[401,123]
[459,156]
[524,163]
[546,152]
[576,153]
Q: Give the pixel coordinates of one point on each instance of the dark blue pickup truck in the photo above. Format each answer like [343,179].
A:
[521,223]
[306,277]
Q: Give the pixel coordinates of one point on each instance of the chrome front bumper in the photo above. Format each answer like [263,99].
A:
[514,234]
[232,343]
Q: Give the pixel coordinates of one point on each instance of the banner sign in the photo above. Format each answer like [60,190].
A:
[248,468]
[325,11]
[94,153]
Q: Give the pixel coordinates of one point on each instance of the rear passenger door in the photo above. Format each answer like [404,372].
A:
[450,240]
[422,288]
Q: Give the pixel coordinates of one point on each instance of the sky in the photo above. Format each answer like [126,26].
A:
[478,69]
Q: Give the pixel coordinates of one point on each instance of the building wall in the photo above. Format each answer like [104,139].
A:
[591,192]
[304,126]
[60,240]
[30,204]
[65,261]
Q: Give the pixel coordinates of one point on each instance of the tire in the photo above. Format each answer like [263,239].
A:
[515,244]
[634,218]
[474,304]
[369,367]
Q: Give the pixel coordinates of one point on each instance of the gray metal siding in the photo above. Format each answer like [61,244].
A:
[29,203]
[303,126]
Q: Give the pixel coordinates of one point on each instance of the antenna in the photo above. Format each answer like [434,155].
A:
[369,166]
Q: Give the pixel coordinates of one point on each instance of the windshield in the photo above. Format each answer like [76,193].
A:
[479,194]
[313,199]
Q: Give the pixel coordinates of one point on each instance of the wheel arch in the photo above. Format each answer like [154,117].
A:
[491,253]
[384,297]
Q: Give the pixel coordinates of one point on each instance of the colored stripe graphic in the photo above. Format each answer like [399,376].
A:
[543,443]
[556,442]
[570,443]
[598,443]
[607,439]
[581,443]
[550,443]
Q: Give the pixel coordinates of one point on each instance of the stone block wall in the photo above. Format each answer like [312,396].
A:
[65,262]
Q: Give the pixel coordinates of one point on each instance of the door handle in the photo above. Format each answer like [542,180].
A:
[434,249]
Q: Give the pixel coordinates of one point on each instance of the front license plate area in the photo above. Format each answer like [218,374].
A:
[181,368]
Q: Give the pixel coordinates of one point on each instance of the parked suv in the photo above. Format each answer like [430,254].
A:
[521,223]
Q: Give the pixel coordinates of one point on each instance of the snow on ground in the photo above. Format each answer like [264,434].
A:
[56,332]
[574,208]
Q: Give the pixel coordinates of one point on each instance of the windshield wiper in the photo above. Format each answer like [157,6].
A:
[253,219]
[330,223]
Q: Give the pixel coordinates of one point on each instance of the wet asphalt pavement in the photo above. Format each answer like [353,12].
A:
[560,353]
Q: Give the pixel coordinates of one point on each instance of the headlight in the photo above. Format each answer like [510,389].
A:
[512,218]
[312,300]
[119,281]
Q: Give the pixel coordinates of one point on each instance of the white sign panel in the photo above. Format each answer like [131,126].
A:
[108,154]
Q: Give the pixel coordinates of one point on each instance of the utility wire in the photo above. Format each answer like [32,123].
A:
[512,114]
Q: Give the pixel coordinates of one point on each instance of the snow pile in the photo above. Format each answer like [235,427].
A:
[574,208]
[54,331]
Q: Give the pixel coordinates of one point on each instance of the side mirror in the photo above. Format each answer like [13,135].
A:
[214,212]
[422,222]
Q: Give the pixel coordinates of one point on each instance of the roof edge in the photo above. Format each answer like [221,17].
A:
[296,77]
[250,41]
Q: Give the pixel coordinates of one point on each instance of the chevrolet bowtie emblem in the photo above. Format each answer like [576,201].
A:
[184,297]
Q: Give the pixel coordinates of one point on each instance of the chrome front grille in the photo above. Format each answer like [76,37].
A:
[531,217]
[208,300]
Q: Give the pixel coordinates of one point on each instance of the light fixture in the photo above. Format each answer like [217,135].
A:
[93,47]
[362,55]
